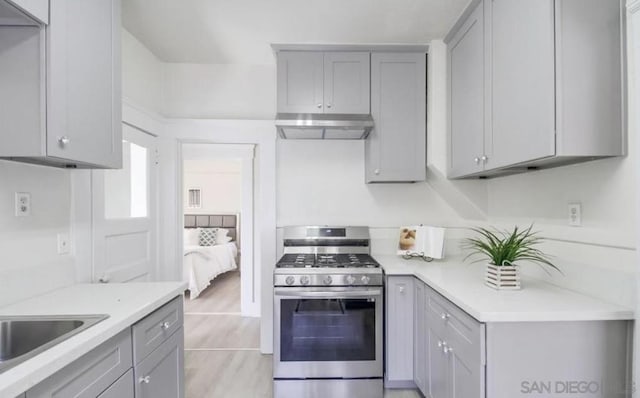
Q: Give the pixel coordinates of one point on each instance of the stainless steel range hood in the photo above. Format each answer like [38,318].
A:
[323,126]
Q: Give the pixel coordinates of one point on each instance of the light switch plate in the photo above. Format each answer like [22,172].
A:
[23,204]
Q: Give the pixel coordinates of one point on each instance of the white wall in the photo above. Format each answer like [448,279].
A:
[29,261]
[141,74]
[220,182]
[231,91]
[322,182]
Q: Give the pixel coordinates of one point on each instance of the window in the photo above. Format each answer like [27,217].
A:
[194,198]
[125,193]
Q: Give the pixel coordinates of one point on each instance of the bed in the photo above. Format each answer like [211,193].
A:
[201,264]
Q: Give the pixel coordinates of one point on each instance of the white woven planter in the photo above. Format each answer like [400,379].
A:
[506,277]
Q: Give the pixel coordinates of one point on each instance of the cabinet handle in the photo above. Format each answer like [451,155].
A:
[64,141]
[376,171]
[484,159]
[447,350]
[165,325]
[444,316]
[104,279]
[145,380]
[441,343]
[328,105]
[319,106]
[401,289]
[477,160]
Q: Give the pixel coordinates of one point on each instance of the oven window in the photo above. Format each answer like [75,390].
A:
[327,330]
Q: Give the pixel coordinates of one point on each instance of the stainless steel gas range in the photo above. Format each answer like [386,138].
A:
[328,306]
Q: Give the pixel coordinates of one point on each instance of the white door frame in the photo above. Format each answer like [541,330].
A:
[260,133]
[249,302]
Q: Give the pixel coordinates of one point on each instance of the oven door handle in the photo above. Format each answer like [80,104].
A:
[328,294]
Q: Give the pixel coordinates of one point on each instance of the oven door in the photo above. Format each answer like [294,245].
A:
[327,332]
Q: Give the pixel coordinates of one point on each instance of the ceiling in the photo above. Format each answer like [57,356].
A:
[240,31]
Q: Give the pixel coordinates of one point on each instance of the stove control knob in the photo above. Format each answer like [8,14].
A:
[365,280]
[350,279]
[327,280]
[304,280]
[290,280]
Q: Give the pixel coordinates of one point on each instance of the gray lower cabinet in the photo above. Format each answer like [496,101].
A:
[456,356]
[161,374]
[123,388]
[149,365]
[396,148]
[420,362]
[399,329]
[90,375]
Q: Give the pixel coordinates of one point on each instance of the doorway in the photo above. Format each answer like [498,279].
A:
[221,307]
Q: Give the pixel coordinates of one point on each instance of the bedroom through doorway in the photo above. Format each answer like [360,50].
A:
[222,305]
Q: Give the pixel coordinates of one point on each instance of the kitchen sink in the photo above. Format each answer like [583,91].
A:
[22,337]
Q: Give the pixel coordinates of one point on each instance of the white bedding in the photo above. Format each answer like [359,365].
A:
[203,263]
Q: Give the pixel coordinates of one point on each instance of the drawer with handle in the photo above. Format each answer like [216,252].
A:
[152,331]
[446,317]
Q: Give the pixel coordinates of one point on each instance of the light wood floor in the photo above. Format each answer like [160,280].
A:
[222,358]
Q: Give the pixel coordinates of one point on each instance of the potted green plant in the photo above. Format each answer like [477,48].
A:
[505,249]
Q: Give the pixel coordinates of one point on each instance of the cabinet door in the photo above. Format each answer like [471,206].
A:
[465,376]
[467,118]
[83,96]
[420,339]
[300,82]
[346,82]
[161,374]
[91,374]
[522,81]
[396,149]
[38,9]
[123,388]
[438,365]
[399,323]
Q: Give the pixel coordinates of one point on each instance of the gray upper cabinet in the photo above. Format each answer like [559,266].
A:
[300,82]
[323,82]
[37,11]
[522,83]
[396,148]
[466,70]
[399,327]
[346,82]
[62,102]
[547,79]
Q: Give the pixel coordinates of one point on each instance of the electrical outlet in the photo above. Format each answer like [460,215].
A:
[23,204]
[63,244]
[575,214]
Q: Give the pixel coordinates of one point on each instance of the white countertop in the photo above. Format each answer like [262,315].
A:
[538,301]
[124,303]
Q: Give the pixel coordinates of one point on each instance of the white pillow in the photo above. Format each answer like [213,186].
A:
[191,236]
[223,239]
[223,232]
